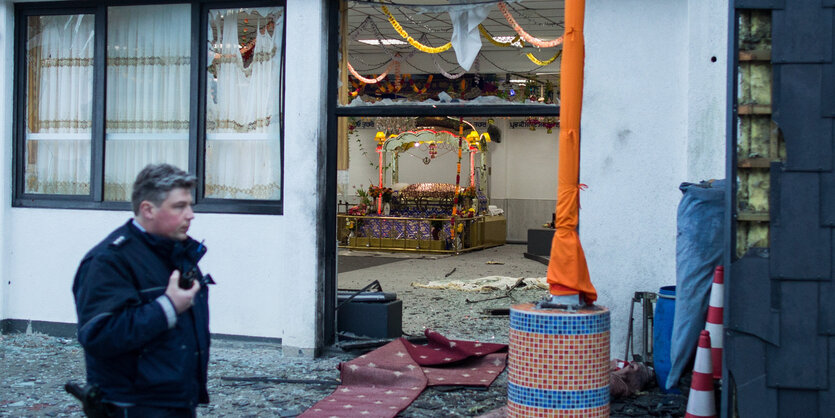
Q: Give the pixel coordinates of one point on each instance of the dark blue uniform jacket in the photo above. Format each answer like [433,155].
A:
[131,353]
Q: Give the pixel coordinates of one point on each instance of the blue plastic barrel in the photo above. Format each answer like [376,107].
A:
[662,334]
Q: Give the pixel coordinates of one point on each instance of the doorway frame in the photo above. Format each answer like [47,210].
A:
[326,225]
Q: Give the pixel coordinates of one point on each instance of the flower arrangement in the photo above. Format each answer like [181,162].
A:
[378,191]
[358,210]
[549,123]
[354,227]
[365,199]
[469,192]
[533,123]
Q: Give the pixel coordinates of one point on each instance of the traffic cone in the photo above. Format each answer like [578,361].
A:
[701,402]
[714,320]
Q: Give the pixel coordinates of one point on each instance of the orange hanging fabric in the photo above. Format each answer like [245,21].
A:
[568,272]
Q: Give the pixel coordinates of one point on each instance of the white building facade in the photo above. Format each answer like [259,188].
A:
[653,117]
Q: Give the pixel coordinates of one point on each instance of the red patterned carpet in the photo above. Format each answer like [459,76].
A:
[385,381]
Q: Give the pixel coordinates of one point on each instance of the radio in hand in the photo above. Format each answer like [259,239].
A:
[189,272]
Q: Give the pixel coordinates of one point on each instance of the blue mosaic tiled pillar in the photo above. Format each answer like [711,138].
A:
[558,362]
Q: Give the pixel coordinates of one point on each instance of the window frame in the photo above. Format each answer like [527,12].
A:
[197,108]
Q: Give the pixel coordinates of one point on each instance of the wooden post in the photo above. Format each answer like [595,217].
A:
[342,147]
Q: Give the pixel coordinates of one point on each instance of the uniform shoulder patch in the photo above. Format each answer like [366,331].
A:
[119,241]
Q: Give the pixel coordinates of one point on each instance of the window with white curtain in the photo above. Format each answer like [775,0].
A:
[97,112]
[242,111]
[148,57]
[58,115]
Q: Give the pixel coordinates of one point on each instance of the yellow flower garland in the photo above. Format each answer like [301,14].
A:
[544,63]
[530,56]
[493,40]
[412,41]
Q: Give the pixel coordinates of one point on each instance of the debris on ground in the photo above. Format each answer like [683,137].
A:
[484,284]
[629,379]
[34,367]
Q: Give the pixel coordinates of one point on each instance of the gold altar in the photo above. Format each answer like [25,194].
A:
[425,217]
[397,233]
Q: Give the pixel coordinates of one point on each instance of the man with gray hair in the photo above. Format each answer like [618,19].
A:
[142,304]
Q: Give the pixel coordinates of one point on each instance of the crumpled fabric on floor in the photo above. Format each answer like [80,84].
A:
[387,380]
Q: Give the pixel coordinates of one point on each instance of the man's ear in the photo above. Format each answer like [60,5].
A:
[146,210]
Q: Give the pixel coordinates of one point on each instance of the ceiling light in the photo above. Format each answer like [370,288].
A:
[382,41]
[519,80]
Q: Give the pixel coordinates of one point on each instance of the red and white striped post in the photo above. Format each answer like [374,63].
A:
[701,402]
[715,311]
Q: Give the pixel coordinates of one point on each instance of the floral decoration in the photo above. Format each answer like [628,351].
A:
[365,199]
[549,123]
[533,123]
[358,210]
[377,191]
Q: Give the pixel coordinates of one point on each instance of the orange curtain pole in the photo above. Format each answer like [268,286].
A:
[568,272]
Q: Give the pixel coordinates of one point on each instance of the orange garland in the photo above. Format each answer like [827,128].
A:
[369,80]
[425,85]
[526,36]
[357,87]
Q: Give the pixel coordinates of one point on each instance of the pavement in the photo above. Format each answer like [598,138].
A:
[254,379]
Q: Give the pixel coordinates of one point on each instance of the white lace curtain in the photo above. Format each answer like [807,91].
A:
[59,104]
[242,118]
[148,92]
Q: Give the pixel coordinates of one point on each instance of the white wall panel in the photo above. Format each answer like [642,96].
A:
[646,107]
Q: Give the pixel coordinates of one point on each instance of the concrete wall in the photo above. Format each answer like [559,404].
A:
[265,266]
[653,117]
[523,179]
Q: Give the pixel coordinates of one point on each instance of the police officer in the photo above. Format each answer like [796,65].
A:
[145,332]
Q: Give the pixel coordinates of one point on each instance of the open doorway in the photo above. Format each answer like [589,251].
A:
[456,140]
[453,261]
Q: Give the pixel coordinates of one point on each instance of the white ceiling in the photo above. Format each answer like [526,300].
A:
[543,19]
